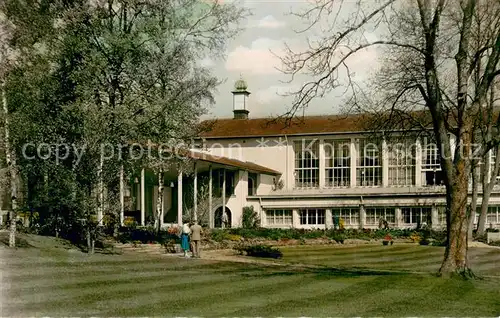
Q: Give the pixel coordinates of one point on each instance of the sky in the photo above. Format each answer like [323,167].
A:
[250,55]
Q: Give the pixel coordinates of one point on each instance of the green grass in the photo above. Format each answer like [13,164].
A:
[57,282]
[399,257]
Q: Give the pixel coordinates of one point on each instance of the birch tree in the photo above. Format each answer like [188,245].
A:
[123,71]
[428,46]
[5,64]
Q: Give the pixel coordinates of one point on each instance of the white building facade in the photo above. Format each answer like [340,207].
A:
[328,166]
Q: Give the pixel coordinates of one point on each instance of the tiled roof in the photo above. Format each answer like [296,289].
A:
[225,128]
[203,156]
[245,165]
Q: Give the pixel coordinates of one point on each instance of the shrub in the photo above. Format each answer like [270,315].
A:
[218,235]
[494,243]
[260,251]
[250,219]
[145,235]
[234,237]
[424,241]
[415,237]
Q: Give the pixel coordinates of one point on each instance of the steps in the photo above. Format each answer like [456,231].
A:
[150,249]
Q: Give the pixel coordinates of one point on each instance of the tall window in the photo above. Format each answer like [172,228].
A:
[279,217]
[373,215]
[493,216]
[492,154]
[349,215]
[252,183]
[312,216]
[306,163]
[218,176]
[416,215]
[337,163]
[402,163]
[431,167]
[369,163]
[441,215]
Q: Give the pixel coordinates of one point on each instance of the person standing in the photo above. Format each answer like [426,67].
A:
[196,238]
[185,239]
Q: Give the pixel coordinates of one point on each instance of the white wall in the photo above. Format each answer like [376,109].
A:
[266,152]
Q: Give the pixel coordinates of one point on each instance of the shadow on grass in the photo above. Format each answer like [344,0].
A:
[324,272]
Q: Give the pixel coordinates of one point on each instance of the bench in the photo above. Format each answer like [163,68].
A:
[492,237]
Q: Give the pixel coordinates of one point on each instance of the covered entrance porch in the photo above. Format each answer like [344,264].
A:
[173,202]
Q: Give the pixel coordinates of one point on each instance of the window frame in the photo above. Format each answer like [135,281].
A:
[401,162]
[283,218]
[306,170]
[350,215]
[337,163]
[318,216]
[368,164]
[378,214]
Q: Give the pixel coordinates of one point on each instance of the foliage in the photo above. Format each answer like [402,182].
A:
[146,235]
[94,74]
[250,218]
[439,77]
[339,234]
[494,243]
[260,251]
[415,237]
[388,237]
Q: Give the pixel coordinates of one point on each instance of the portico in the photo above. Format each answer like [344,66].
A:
[221,185]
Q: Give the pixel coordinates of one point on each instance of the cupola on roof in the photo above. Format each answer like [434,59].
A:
[240,85]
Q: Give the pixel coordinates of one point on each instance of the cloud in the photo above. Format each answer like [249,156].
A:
[274,93]
[257,59]
[207,62]
[267,22]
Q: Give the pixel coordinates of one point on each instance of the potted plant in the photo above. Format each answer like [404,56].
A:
[387,239]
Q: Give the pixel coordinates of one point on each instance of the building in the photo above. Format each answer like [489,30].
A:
[302,175]
[299,175]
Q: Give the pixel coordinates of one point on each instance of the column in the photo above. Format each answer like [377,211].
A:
[362,216]
[179,198]
[160,197]
[289,166]
[385,164]
[328,219]
[162,216]
[100,192]
[122,196]
[295,218]
[399,218]
[435,218]
[195,193]
[321,154]
[210,212]
[143,196]
[354,158]
[224,216]
[418,163]
[453,146]
[137,185]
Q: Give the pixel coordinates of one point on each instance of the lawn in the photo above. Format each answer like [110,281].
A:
[50,282]
[399,257]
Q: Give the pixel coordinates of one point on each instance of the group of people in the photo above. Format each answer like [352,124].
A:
[190,238]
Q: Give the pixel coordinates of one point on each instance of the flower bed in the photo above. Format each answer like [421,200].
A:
[220,235]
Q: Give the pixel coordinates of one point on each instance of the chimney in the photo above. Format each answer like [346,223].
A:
[240,99]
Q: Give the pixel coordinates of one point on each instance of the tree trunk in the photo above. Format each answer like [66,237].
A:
[10,157]
[481,222]
[455,258]
[159,200]
[473,205]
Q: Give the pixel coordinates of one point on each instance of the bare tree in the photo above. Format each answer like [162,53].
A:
[10,155]
[429,51]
